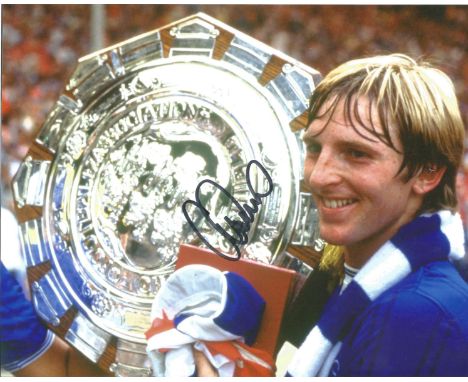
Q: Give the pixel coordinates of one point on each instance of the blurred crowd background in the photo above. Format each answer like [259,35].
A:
[41,45]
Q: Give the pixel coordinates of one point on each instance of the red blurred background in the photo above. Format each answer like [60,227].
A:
[41,45]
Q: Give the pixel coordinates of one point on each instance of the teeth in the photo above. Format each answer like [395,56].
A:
[337,203]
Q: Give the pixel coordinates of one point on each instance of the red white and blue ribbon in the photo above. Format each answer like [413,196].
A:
[219,313]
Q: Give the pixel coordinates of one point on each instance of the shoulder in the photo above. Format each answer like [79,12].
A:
[417,327]
[10,288]
[24,338]
[427,304]
[434,292]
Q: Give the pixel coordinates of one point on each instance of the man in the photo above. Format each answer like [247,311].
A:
[384,143]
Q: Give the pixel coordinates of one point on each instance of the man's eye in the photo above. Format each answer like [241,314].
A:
[313,148]
[357,154]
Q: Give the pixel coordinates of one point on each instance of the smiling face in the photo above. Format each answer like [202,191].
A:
[352,175]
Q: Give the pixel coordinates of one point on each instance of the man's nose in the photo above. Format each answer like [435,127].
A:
[324,171]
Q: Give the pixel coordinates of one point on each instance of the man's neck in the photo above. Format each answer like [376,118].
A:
[356,258]
[358,254]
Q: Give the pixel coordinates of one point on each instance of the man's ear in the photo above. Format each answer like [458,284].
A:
[428,179]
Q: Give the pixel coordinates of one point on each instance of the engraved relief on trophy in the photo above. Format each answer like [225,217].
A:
[133,178]
[144,179]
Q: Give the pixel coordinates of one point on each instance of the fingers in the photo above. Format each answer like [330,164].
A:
[203,365]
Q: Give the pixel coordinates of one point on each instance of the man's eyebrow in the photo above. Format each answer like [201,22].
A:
[364,145]
[357,144]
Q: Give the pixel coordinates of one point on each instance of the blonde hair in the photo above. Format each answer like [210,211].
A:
[332,262]
[416,98]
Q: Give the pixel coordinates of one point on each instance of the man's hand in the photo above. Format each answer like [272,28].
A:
[203,366]
[61,360]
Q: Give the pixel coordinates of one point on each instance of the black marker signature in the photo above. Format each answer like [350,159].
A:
[246,212]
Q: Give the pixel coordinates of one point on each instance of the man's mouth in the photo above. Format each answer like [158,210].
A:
[337,203]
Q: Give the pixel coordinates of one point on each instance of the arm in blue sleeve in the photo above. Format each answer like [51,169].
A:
[23,337]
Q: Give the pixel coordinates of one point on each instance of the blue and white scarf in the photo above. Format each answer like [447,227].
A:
[428,238]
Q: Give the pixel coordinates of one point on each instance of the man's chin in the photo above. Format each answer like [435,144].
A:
[333,238]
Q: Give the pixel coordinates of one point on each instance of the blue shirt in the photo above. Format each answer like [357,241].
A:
[417,328]
[23,338]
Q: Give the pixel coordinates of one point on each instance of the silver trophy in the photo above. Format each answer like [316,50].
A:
[140,125]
